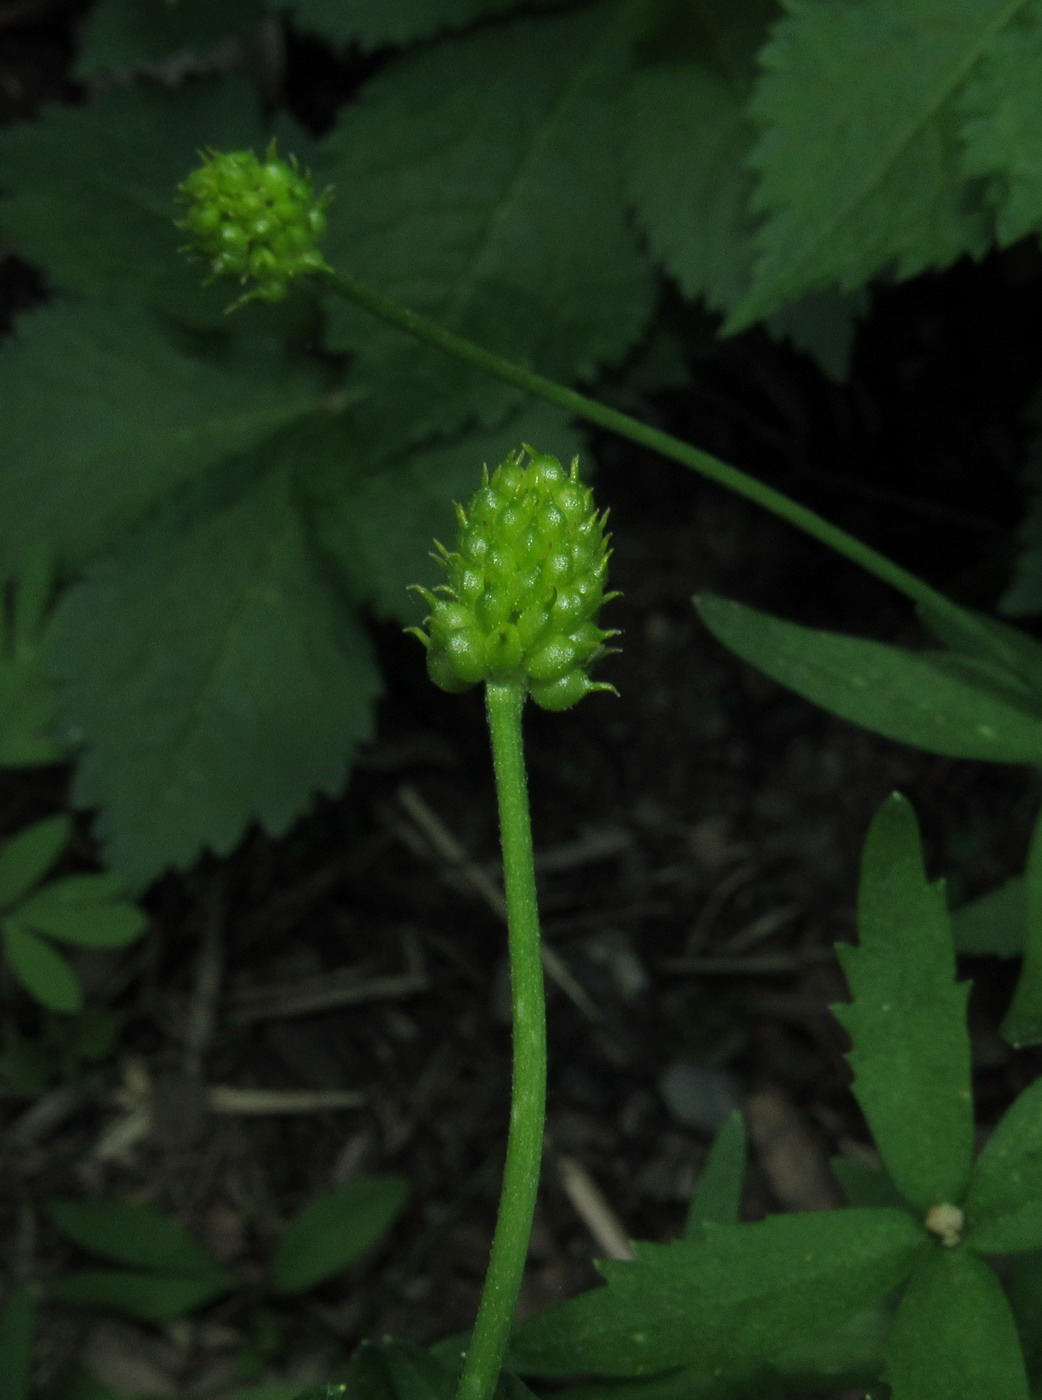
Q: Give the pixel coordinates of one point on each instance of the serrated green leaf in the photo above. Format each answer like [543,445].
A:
[17,1335]
[687,144]
[127,34]
[741,1294]
[933,700]
[212,674]
[42,970]
[907,1020]
[335,1229]
[70,911]
[860,159]
[397,1370]
[105,412]
[26,857]
[499,215]
[378,520]
[145,1297]
[109,171]
[1003,130]
[127,1233]
[954,1335]
[1003,1206]
[993,924]
[718,1192]
[1022,1024]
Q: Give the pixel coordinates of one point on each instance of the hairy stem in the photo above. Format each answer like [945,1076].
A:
[488,1342]
[646,436]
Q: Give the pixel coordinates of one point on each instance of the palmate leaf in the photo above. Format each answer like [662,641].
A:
[499,214]
[860,158]
[89,191]
[907,1020]
[1003,133]
[211,673]
[939,701]
[82,910]
[105,412]
[740,1295]
[954,1336]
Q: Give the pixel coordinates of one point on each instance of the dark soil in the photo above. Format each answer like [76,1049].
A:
[698,840]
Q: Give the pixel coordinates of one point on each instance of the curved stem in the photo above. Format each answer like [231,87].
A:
[642,433]
[488,1343]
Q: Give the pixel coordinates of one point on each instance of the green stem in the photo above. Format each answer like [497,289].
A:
[488,1342]
[664,443]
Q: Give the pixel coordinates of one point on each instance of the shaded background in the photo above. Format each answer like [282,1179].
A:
[698,844]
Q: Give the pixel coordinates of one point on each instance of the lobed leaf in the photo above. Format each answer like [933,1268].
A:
[954,1335]
[879,184]
[372,23]
[907,1020]
[131,415]
[108,169]
[334,1229]
[42,970]
[212,673]
[738,1296]
[936,701]
[499,215]
[26,857]
[1003,1205]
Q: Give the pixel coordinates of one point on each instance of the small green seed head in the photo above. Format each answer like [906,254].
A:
[523,586]
[257,220]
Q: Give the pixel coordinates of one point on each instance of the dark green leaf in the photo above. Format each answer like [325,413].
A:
[931,700]
[125,34]
[1024,1287]
[109,171]
[26,857]
[106,412]
[17,1335]
[864,1184]
[907,1020]
[335,1229]
[72,911]
[41,969]
[480,217]
[993,923]
[394,1370]
[146,1297]
[26,694]
[742,1294]
[718,1193]
[130,1234]
[954,1335]
[1004,1203]
[1023,1022]
[213,674]
[987,639]
[373,23]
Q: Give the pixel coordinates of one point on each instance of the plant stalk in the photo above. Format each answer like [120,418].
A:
[488,1342]
[644,435]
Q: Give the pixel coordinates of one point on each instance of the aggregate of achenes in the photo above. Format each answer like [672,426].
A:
[523,586]
[256,220]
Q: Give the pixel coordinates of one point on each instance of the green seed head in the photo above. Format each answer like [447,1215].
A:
[524,586]
[257,220]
